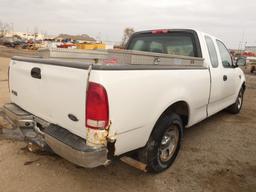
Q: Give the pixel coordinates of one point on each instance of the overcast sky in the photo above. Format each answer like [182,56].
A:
[231,20]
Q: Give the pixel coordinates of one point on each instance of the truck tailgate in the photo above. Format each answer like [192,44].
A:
[57,95]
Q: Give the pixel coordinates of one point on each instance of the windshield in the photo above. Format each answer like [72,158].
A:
[168,43]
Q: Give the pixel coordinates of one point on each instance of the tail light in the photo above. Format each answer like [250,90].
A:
[97,108]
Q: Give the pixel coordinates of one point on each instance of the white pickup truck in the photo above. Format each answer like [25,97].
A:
[135,100]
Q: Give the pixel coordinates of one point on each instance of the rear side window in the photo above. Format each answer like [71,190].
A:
[138,45]
[212,51]
[177,43]
[224,54]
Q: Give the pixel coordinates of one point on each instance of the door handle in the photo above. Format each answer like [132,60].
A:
[225,77]
[36,73]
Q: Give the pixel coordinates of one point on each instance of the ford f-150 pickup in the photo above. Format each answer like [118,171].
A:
[92,106]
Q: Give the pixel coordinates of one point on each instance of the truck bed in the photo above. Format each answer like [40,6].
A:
[74,63]
[62,89]
[117,56]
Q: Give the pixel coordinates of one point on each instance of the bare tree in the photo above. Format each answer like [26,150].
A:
[4,28]
[127,34]
[35,32]
[1,29]
[7,28]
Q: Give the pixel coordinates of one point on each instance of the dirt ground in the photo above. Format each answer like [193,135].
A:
[9,52]
[218,154]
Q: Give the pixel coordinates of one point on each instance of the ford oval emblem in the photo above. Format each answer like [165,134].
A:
[72,117]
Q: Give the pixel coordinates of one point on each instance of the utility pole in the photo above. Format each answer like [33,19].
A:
[245,43]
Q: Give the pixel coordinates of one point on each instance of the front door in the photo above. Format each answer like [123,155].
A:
[223,85]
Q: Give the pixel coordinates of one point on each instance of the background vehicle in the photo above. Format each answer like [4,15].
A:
[250,64]
[139,99]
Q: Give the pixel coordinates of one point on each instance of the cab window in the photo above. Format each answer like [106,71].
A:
[177,43]
[224,54]
[212,51]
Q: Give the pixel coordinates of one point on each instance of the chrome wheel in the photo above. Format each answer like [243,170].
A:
[169,143]
[239,100]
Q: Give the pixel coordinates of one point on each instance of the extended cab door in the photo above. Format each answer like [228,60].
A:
[228,71]
[223,81]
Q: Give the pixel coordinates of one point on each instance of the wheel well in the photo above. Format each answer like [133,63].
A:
[181,108]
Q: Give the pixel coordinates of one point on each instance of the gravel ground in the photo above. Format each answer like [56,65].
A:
[9,52]
[218,154]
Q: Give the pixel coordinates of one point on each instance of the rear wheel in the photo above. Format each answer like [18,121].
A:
[164,144]
[252,69]
[236,107]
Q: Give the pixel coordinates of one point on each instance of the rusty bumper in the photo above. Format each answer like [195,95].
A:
[61,141]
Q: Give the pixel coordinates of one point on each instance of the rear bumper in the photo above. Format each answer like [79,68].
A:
[17,116]
[61,141]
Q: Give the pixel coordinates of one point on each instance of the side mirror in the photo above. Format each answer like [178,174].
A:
[241,62]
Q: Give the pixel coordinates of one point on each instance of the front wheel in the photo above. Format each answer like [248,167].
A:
[252,69]
[236,107]
[164,144]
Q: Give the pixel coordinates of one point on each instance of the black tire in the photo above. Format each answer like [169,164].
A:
[237,106]
[151,154]
[252,69]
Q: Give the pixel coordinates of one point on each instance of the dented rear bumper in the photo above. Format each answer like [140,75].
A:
[74,148]
[64,143]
